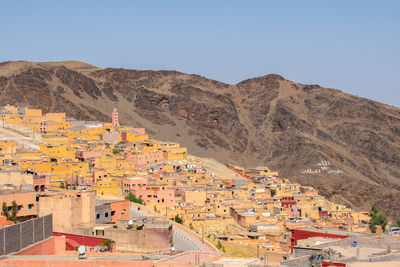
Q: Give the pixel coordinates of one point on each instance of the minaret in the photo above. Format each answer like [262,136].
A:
[114,116]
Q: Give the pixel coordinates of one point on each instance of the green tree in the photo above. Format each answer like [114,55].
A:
[219,245]
[397,224]
[4,210]
[14,211]
[132,198]
[115,151]
[377,218]
[177,219]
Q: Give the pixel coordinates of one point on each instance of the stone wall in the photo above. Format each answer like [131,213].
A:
[100,211]
[297,262]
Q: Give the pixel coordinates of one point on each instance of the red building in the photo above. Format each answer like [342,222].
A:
[323,214]
[288,204]
[40,183]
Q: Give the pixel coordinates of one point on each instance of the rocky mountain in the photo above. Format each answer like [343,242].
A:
[346,146]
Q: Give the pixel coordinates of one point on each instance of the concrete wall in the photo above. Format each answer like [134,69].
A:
[55,245]
[304,251]
[88,201]
[15,177]
[152,237]
[158,234]
[105,263]
[297,262]
[101,211]
[18,236]
[69,211]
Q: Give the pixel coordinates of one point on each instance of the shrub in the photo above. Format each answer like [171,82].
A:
[177,219]
[132,198]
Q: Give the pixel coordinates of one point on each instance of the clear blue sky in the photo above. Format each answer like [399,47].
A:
[349,45]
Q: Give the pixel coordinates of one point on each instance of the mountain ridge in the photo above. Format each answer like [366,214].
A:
[266,120]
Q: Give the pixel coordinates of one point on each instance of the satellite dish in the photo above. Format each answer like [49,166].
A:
[130,222]
[81,250]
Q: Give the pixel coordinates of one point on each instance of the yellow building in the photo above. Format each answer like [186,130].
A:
[175,153]
[108,187]
[8,149]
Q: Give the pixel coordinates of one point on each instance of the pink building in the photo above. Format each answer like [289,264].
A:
[158,194]
[141,131]
[133,184]
[293,211]
[90,154]
[115,121]
[146,157]
[40,183]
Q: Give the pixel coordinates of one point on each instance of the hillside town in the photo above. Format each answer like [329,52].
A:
[116,191]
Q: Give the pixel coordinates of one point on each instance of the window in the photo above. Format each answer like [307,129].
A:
[106,214]
[112,213]
[9,208]
[30,206]
[123,211]
[97,216]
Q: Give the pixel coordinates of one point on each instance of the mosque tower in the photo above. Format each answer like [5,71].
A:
[114,116]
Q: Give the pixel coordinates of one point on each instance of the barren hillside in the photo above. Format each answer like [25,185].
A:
[345,146]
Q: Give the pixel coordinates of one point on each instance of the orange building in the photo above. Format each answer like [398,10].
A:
[120,210]
[26,202]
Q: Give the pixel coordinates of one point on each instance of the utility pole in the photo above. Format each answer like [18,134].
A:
[202,233]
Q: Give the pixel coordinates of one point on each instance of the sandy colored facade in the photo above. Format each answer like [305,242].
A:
[70,210]
[26,202]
